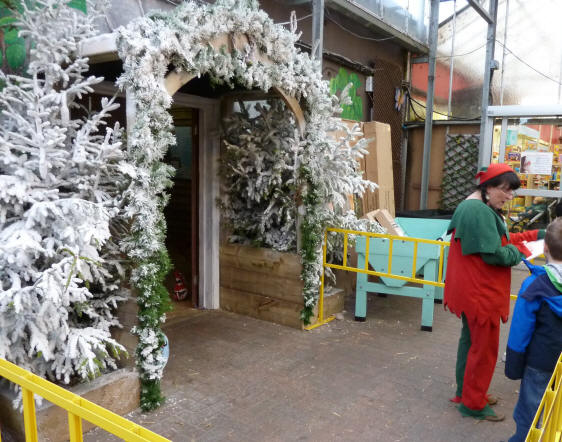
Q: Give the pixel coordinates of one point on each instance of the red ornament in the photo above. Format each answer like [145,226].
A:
[180,291]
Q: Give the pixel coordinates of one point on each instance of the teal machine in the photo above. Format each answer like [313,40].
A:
[427,266]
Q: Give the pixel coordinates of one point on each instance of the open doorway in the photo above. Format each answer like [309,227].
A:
[181,213]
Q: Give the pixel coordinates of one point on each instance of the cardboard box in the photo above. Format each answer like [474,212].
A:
[385,219]
[378,167]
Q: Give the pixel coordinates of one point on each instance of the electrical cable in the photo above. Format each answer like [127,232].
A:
[462,55]
[527,64]
[416,114]
[440,113]
[353,33]
[298,19]
[512,53]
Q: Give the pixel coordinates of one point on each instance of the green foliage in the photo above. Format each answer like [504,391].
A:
[311,231]
[11,4]
[15,54]
[353,111]
[79,4]
[151,395]
[153,302]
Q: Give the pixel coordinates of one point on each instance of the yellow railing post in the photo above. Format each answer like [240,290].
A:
[345,249]
[29,418]
[390,243]
[77,408]
[441,258]
[367,245]
[321,320]
[321,300]
[414,260]
[75,425]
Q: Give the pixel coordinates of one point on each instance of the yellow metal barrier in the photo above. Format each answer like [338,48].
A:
[391,238]
[549,411]
[77,407]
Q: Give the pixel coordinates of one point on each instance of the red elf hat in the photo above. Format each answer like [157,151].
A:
[491,171]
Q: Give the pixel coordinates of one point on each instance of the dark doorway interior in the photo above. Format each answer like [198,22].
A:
[182,210]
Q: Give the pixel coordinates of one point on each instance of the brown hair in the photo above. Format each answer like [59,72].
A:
[553,239]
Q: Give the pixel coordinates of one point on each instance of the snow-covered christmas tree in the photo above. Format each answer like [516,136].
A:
[61,177]
[259,173]
[260,168]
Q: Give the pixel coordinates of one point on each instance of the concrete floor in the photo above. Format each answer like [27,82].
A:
[233,378]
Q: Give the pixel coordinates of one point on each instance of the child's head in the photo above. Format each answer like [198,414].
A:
[553,240]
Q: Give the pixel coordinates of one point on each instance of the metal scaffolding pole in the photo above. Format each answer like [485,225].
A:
[452,62]
[504,51]
[317,30]
[485,138]
[433,28]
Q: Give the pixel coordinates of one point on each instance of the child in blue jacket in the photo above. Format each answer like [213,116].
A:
[535,336]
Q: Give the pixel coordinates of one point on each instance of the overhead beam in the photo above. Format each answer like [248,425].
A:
[371,21]
[549,110]
[481,11]
[417,60]
[100,48]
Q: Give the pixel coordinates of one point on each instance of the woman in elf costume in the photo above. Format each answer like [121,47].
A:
[478,283]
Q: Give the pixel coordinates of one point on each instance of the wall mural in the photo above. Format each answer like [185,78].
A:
[353,111]
[13,51]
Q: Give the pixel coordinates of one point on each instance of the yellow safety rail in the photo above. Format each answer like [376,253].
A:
[549,411]
[77,407]
[439,283]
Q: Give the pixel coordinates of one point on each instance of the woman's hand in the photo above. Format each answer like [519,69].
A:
[523,249]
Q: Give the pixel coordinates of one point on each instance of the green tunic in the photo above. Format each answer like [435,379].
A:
[480,230]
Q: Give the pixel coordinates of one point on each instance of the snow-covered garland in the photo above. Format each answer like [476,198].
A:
[327,172]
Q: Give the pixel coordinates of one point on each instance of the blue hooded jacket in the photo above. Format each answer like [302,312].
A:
[535,336]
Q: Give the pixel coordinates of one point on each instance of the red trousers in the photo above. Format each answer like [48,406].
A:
[480,362]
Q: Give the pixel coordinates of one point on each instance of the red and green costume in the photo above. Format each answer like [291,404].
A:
[477,287]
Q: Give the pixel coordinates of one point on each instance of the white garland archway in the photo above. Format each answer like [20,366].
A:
[235,43]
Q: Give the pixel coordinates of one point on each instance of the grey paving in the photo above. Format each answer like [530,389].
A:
[233,378]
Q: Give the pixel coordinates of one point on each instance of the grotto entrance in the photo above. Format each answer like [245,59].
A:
[182,211]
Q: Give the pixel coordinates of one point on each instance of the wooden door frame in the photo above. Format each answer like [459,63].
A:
[195,210]
[208,216]
[208,140]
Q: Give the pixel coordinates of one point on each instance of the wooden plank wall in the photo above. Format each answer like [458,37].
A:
[266,284]
[261,283]
[414,163]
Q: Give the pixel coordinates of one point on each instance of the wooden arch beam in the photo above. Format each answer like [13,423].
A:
[175,80]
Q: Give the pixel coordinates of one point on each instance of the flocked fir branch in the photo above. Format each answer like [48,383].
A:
[259,171]
[61,179]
